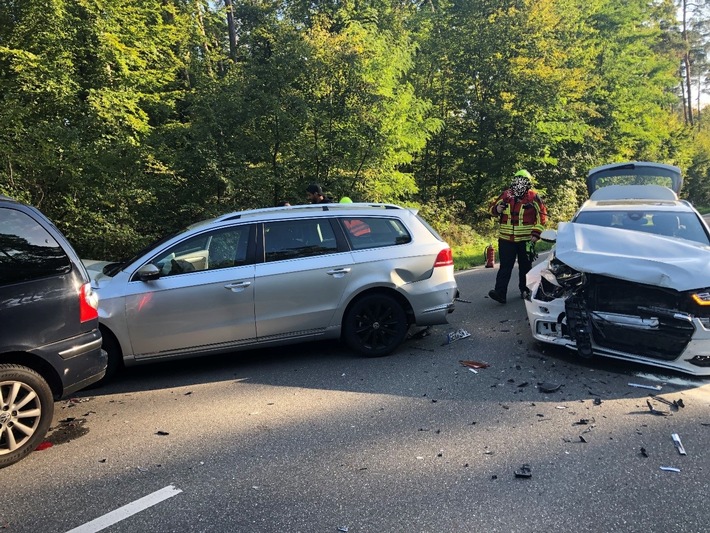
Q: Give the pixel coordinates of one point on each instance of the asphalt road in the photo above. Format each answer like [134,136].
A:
[315,439]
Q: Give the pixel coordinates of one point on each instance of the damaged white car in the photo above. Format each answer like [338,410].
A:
[629,277]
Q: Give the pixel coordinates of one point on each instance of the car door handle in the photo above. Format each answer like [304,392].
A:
[237,286]
[339,272]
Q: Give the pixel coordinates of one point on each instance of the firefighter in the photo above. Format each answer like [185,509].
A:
[522,216]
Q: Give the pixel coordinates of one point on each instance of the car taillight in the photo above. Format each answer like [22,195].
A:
[88,303]
[445,258]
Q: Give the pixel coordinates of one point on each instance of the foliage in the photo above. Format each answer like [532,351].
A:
[130,119]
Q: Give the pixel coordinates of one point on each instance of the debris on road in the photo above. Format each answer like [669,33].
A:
[643,452]
[162,433]
[456,335]
[524,471]
[421,333]
[674,405]
[474,364]
[597,401]
[670,469]
[678,443]
[549,387]
[642,386]
[43,446]
[655,411]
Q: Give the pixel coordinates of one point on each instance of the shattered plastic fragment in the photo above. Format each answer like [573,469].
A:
[641,386]
[549,387]
[678,443]
[644,453]
[162,433]
[44,445]
[524,471]
[344,529]
[474,364]
[655,411]
[456,335]
[670,469]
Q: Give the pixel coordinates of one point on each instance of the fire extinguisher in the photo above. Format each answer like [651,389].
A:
[490,255]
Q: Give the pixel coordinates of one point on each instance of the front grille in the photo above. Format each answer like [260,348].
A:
[665,339]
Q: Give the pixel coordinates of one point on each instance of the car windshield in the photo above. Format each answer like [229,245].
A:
[113,268]
[680,224]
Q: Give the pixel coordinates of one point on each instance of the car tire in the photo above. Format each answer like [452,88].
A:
[114,361]
[375,325]
[26,411]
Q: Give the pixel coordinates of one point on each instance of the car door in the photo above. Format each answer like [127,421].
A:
[300,284]
[203,300]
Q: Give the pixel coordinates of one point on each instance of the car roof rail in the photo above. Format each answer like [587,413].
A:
[305,208]
[634,192]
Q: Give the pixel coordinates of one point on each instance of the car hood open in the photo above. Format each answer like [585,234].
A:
[634,256]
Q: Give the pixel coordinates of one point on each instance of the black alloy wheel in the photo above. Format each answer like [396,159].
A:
[375,325]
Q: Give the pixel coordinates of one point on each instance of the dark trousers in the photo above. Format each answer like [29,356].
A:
[507,253]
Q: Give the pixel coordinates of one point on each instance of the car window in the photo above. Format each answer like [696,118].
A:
[27,250]
[371,232]
[212,250]
[298,238]
[679,224]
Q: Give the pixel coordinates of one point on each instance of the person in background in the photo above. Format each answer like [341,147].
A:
[522,216]
[314,194]
[356,227]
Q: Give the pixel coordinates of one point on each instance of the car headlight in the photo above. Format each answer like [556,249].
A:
[701,298]
[566,277]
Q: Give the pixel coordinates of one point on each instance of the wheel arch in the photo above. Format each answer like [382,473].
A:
[39,365]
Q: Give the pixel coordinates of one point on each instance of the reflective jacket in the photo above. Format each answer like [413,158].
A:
[521,219]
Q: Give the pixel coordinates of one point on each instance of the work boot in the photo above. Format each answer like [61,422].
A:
[495,295]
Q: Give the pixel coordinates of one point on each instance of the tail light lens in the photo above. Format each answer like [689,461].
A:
[445,258]
[88,303]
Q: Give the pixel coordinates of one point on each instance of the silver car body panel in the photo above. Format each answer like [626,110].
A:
[270,302]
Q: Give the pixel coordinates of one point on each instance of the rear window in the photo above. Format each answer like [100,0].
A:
[370,232]
[27,250]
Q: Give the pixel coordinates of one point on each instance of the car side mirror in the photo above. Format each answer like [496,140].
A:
[549,235]
[148,272]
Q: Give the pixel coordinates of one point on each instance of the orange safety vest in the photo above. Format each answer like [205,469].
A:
[521,219]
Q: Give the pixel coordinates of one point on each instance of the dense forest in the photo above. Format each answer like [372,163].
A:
[127,119]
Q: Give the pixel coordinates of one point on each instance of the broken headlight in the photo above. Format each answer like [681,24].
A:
[566,277]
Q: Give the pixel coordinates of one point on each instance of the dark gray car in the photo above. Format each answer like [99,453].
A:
[50,344]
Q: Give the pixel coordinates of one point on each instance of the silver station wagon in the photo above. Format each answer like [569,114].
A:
[363,273]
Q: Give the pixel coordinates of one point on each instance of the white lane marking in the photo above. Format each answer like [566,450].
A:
[102,522]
